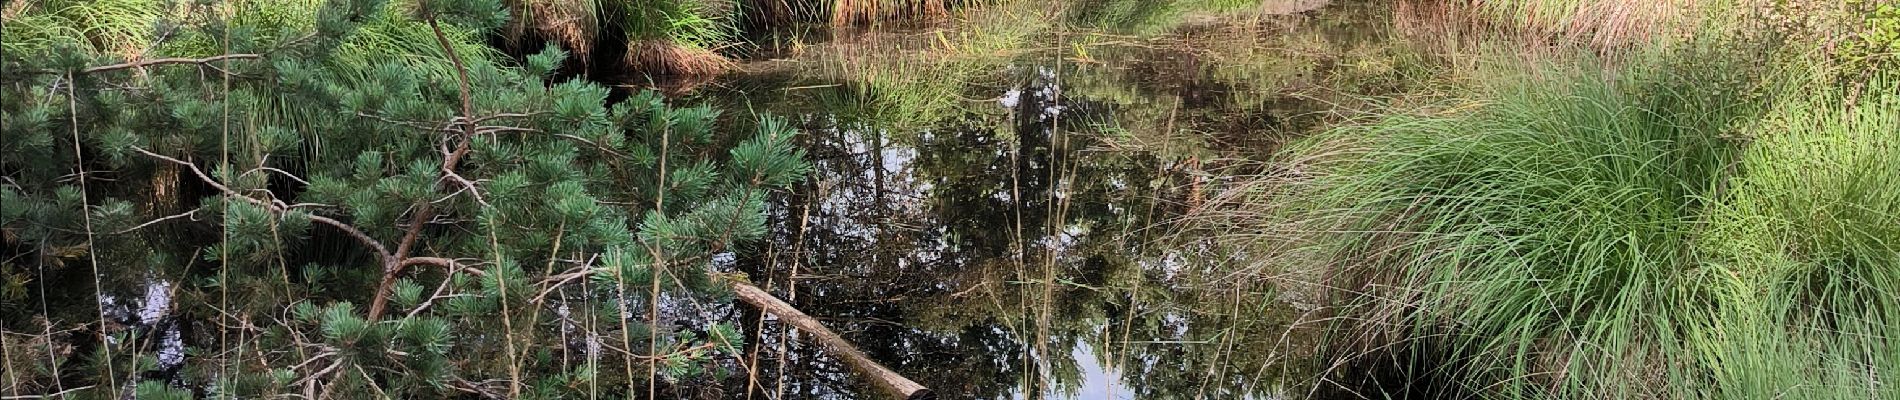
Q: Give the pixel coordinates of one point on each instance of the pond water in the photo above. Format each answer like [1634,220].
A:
[1000,207]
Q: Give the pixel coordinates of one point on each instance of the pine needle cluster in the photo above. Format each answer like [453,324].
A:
[353,199]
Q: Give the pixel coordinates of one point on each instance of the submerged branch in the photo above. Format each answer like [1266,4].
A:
[885,379]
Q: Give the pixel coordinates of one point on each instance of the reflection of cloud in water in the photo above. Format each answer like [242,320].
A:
[906,244]
[1098,381]
[157,302]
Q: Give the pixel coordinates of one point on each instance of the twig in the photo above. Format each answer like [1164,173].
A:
[472,387]
[164,61]
[319,356]
[491,129]
[432,296]
[591,143]
[449,173]
[309,382]
[155,221]
[60,394]
[506,115]
[563,280]
[382,252]
[286,174]
[411,124]
[372,382]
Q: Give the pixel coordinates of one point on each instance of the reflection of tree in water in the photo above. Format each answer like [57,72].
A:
[906,244]
[905,240]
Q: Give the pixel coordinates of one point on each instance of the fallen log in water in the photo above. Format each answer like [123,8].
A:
[882,377]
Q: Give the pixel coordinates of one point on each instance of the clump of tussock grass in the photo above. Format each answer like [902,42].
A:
[1536,234]
[574,24]
[1647,230]
[667,38]
[1810,231]
[121,28]
[666,58]
[673,38]
[1601,24]
[855,12]
[1546,240]
[390,36]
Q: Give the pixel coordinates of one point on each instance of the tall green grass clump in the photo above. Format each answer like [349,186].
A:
[121,28]
[1811,226]
[1545,241]
[1149,16]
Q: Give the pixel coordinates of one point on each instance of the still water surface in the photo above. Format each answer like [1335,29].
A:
[1010,221]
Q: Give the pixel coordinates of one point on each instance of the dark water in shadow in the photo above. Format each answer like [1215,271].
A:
[1026,241]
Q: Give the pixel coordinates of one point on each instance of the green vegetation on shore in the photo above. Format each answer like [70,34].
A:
[1704,219]
[1516,199]
[353,199]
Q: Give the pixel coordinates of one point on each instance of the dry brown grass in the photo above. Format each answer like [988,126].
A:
[1289,7]
[856,12]
[1619,23]
[655,57]
[13,9]
[569,23]
[1599,24]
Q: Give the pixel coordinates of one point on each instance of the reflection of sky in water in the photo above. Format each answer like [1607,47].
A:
[1098,382]
[158,303]
[908,255]
[147,313]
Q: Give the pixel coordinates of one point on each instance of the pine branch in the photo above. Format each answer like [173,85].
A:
[276,208]
[425,211]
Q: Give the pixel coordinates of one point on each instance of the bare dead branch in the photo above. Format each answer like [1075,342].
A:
[164,61]
[410,124]
[286,174]
[156,221]
[450,277]
[381,252]
[436,261]
[60,394]
[449,173]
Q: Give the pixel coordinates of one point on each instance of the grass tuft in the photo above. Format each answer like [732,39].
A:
[665,58]
[1643,231]
[121,28]
[1812,227]
[1535,234]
